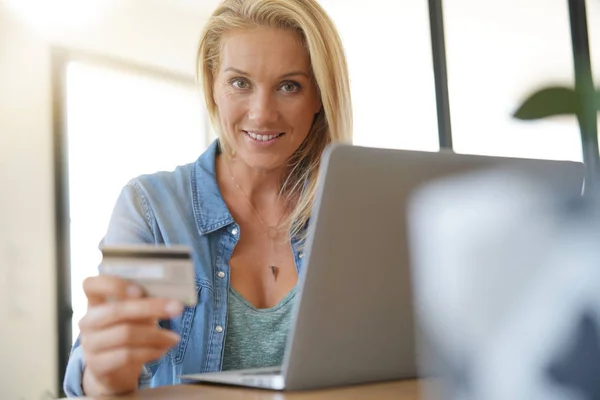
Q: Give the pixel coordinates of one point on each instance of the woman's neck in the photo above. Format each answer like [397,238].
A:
[261,188]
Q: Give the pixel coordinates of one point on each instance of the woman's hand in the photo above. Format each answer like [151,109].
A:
[120,333]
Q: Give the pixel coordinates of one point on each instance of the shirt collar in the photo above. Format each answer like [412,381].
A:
[210,208]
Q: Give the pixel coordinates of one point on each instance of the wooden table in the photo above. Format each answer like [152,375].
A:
[396,390]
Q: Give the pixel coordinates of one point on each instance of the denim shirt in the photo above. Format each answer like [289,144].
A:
[182,207]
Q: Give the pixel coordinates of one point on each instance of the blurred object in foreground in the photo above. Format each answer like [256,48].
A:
[507,287]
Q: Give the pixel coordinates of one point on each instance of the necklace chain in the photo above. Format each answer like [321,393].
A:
[271,231]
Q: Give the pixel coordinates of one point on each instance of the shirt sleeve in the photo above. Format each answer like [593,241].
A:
[73,385]
[131,222]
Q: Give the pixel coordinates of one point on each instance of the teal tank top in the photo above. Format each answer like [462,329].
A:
[256,337]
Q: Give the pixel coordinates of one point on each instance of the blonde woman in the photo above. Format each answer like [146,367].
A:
[276,85]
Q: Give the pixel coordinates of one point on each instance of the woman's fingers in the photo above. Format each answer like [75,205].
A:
[137,310]
[120,333]
[129,335]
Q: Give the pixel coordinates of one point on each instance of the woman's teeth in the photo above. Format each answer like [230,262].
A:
[263,137]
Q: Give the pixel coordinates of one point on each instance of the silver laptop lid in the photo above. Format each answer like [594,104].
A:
[354,318]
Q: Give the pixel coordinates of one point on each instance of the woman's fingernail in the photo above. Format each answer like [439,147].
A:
[174,308]
[174,336]
[134,291]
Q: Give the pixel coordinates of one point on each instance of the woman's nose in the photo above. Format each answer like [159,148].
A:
[263,109]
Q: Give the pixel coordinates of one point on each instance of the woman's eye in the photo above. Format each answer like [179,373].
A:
[290,87]
[240,84]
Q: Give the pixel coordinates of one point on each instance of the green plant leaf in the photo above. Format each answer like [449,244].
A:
[549,102]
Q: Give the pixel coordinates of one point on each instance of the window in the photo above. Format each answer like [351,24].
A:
[388,47]
[120,124]
[498,53]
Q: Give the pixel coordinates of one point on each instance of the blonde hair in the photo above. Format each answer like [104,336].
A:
[330,72]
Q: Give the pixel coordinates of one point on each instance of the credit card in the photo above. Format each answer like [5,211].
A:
[160,271]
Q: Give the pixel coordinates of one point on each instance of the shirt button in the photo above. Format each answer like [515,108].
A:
[234,231]
[219,328]
[221,274]
[301,255]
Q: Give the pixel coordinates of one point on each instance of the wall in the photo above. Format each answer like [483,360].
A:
[153,33]
[27,258]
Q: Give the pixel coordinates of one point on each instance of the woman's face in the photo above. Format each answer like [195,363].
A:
[265,96]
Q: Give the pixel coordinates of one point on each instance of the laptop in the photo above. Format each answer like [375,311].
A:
[354,320]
